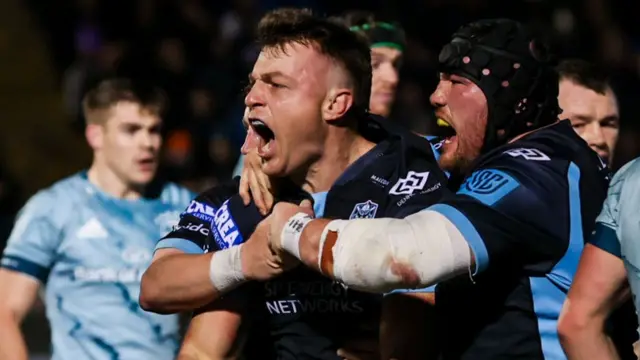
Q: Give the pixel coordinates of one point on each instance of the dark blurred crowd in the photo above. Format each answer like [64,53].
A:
[200,52]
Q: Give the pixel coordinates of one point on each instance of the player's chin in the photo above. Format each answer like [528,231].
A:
[274,167]
[143,177]
[448,161]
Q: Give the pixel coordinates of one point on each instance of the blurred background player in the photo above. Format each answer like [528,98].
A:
[600,285]
[588,101]
[89,238]
[596,315]
[388,43]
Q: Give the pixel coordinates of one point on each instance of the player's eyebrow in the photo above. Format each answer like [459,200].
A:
[589,118]
[268,76]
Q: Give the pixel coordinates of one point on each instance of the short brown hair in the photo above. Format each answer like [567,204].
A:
[284,26]
[584,74]
[107,93]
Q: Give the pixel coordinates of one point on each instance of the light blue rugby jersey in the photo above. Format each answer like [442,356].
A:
[90,250]
[618,225]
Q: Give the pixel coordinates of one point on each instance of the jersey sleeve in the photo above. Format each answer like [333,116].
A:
[33,243]
[605,234]
[233,223]
[191,232]
[516,212]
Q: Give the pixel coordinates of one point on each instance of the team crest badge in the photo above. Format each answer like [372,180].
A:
[365,210]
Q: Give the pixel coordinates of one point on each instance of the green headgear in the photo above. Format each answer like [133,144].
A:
[382,34]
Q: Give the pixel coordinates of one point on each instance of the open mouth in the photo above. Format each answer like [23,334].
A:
[446,131]
[147,162]
[264,132]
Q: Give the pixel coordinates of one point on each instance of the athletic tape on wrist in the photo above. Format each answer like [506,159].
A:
[291,233]
[225,269]
[328,241]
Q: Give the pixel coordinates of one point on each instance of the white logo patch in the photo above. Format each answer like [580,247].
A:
[365,210]
[92,229]
[414,181]
[528,154]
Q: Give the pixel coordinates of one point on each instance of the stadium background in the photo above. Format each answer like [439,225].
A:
[200,51]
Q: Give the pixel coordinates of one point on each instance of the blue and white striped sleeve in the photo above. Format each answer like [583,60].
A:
[605,235]
[32,245]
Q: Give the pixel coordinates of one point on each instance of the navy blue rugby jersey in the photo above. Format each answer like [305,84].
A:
[526,210]
[217,219]
[310,316]
[303,315]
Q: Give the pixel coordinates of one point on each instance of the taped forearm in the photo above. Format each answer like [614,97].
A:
[380,255]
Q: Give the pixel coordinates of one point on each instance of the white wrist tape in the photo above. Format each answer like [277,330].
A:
[225,269]
[291,232]
[336,226]
[426,242]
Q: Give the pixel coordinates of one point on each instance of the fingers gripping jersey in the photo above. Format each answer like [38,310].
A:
[525,210]
[90,250]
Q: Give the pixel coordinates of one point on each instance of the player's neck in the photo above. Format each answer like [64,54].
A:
[342,149]
[107,181]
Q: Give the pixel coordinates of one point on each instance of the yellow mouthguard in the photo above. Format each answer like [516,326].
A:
[441,122]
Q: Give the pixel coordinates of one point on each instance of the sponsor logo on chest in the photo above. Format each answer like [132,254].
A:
[225,230]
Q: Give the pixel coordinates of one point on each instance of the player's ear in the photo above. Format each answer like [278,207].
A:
[337,104]
[94,134]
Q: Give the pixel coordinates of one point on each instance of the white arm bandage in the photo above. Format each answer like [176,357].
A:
[225,269]
[426,242]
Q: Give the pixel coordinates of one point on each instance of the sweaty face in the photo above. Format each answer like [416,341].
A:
[462,107]
[594,116]
[385,62]
[131,143]
[284,103]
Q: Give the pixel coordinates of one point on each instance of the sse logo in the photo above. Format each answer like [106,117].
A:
[201,211]
[489,186]
[225,230]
